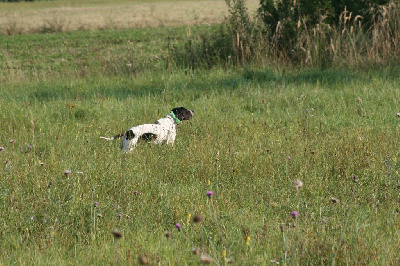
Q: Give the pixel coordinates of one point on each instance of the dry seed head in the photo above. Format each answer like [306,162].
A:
[67,173]
[298,184]
[116,233]
[205,259]
[142,260]
[230,261]
[197,218]
[357,17]
[196,251]
[167,234]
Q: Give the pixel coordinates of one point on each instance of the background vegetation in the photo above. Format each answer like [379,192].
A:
[302,156]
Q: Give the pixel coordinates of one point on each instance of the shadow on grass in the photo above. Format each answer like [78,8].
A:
[127,88]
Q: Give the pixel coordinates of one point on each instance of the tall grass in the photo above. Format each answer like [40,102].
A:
[347,43]
[253,134]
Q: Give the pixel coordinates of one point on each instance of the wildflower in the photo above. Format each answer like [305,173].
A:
[116,233]
[298,184]
[359,100]
[11,141]
[355,178]
[32,218]
[398,114]
[96,203]
[334,200]
[197,218]
[67,173]
[119,215]
[188,218]
[313,152]
[294,214]
[210,193]
[136,192]
[248,239]
[41,163]
[282,228]
[289,158]
[178,226]
[100,215]
[2,148]
[50,184]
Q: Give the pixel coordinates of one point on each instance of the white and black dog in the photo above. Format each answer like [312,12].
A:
[163,130]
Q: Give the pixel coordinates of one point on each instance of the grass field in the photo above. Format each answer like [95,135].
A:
[69,197]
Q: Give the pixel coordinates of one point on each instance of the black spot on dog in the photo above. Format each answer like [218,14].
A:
[148,136]
[129,135]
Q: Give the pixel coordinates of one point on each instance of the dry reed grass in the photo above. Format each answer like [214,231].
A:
[110,15]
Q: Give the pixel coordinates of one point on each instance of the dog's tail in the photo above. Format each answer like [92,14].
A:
[115,137]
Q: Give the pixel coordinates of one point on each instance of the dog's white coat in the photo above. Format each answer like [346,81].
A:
[164,128]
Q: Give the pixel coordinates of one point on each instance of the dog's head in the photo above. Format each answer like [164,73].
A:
[182,113]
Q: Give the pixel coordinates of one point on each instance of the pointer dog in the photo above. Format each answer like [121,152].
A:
[163,130]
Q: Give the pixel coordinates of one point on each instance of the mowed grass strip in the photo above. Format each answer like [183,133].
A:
[57,16]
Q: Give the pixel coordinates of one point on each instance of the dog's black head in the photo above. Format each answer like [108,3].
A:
[182,113]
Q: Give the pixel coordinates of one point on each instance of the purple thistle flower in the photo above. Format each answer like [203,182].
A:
[96,203]
[119,215]
[294,214]
[210,194]
[136,192]
[32,218]
[178,226]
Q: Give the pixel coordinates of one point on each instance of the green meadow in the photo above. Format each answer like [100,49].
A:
[303,163]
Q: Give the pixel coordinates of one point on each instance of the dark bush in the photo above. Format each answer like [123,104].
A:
[286,19]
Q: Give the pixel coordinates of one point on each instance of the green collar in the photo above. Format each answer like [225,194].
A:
[176,120]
